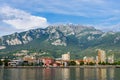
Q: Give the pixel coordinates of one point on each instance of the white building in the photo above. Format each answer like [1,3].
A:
[15,62]
[111,59]
[66,56]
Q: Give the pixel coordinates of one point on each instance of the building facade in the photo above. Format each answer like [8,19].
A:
[111,59]
[101,56]
[66,56]
[47,61]
[88,59]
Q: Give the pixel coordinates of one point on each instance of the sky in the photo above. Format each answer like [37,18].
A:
[22,15]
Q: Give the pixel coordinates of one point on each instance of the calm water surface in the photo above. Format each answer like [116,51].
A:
[60,74]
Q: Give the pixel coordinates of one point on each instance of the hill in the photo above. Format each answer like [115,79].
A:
[58,39]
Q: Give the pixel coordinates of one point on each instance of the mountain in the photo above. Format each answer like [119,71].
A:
[59,39]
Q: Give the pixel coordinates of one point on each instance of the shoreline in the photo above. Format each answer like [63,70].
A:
[84,66]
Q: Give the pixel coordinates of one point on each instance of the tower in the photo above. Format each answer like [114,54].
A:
[101,56]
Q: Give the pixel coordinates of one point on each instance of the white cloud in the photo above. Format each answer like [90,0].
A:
[106,26]
[71,7]
[85,8]
[20,19]
[103,13]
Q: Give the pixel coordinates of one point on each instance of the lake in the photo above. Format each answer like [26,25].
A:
[60,74]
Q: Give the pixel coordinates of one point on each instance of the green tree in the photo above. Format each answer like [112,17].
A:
[6,62]
[118,63]
[41,63]
[72,63]
[82,63]
[99,63]
[103,63]
[1,63]
[91,63]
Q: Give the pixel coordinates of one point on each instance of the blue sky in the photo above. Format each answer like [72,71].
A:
[21,15]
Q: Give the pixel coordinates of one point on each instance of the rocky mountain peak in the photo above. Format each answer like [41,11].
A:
[60,35]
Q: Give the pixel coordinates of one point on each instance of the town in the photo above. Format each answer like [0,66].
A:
[65,60]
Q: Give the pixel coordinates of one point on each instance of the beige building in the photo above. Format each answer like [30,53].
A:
[101,56]
[29,58]
[66,56]
[88,59]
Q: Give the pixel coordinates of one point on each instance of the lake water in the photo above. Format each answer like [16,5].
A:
[60,74]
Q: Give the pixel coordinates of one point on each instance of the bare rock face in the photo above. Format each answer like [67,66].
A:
[61,35]
[58,42]
[2,47]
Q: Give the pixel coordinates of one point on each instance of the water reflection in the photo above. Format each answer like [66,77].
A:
[60,74]
[65,74]
[89,74]
[101,74]
[111,73]
[77,73]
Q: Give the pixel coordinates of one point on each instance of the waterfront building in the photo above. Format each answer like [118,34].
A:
[85,60]
[78,62]
[101,56]
[60,62]
[47,61]
[111,58]
[15,63]
[66,56]
[29,59]
[56,64]
[88,59]
[97,61]
[65,59]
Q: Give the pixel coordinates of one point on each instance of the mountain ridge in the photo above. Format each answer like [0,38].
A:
[60,39]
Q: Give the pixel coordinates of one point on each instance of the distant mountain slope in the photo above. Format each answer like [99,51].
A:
[59,39]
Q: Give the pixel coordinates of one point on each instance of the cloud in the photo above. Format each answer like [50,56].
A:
[102,14]
[68,7]
[20,19]
[85,8]
[6,29]
[106,26]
